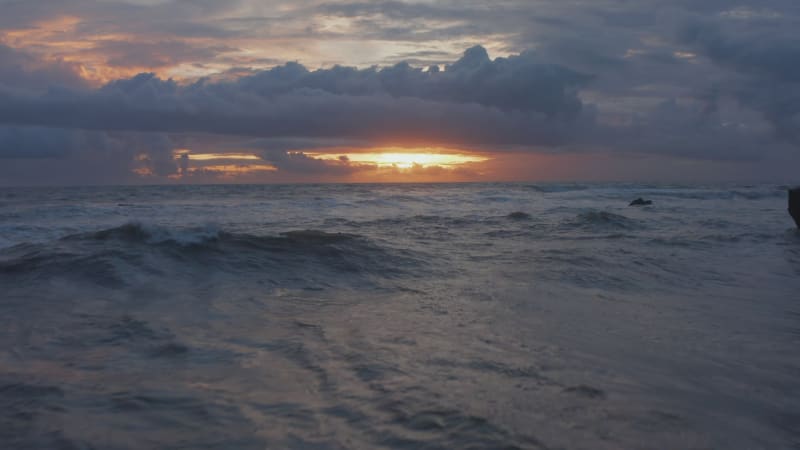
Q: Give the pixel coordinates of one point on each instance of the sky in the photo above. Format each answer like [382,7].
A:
[247,91]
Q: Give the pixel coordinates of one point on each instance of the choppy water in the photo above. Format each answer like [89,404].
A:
[399,316]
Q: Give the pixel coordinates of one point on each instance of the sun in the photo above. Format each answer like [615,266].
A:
[405,159]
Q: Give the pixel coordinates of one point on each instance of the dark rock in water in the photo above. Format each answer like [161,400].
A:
[794,205]
[519,215]
[641,202]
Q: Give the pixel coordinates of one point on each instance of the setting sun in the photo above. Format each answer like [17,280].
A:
[404,160]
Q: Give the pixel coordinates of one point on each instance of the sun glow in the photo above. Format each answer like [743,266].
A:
[239,169]
[403,159]
[215,156]
[389,164]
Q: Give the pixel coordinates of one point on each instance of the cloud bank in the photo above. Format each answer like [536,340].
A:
[475,101]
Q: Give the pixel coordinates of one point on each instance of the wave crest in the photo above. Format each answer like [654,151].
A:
[140,233]
[132,253]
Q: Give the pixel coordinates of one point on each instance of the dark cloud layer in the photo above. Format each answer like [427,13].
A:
[478,101]
[769,66]
[38,155]
[35,142]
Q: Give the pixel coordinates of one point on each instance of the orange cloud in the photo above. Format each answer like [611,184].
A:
[101,57]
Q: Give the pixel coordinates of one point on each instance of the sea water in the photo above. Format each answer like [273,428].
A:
[399,316]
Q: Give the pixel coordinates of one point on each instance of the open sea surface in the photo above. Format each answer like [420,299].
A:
[457,316]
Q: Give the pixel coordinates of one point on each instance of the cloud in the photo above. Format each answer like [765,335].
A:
[158,54]
[767,62]
[35,142]
[40,155]
[516,83]
[22,70]
[299,162]
[772,55]
[516,100]
[690,129]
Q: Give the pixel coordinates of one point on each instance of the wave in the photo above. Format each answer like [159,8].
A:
[603,220]
[556,188]
[35,263]
[142,233]
[135,232]
[118,256]
[318,237]
[706,241]
[743,193]
[449,222]
[519,215]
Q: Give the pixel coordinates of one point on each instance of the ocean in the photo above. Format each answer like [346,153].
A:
[452,316]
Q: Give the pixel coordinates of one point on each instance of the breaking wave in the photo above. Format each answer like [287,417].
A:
[137,232]
[110,257]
